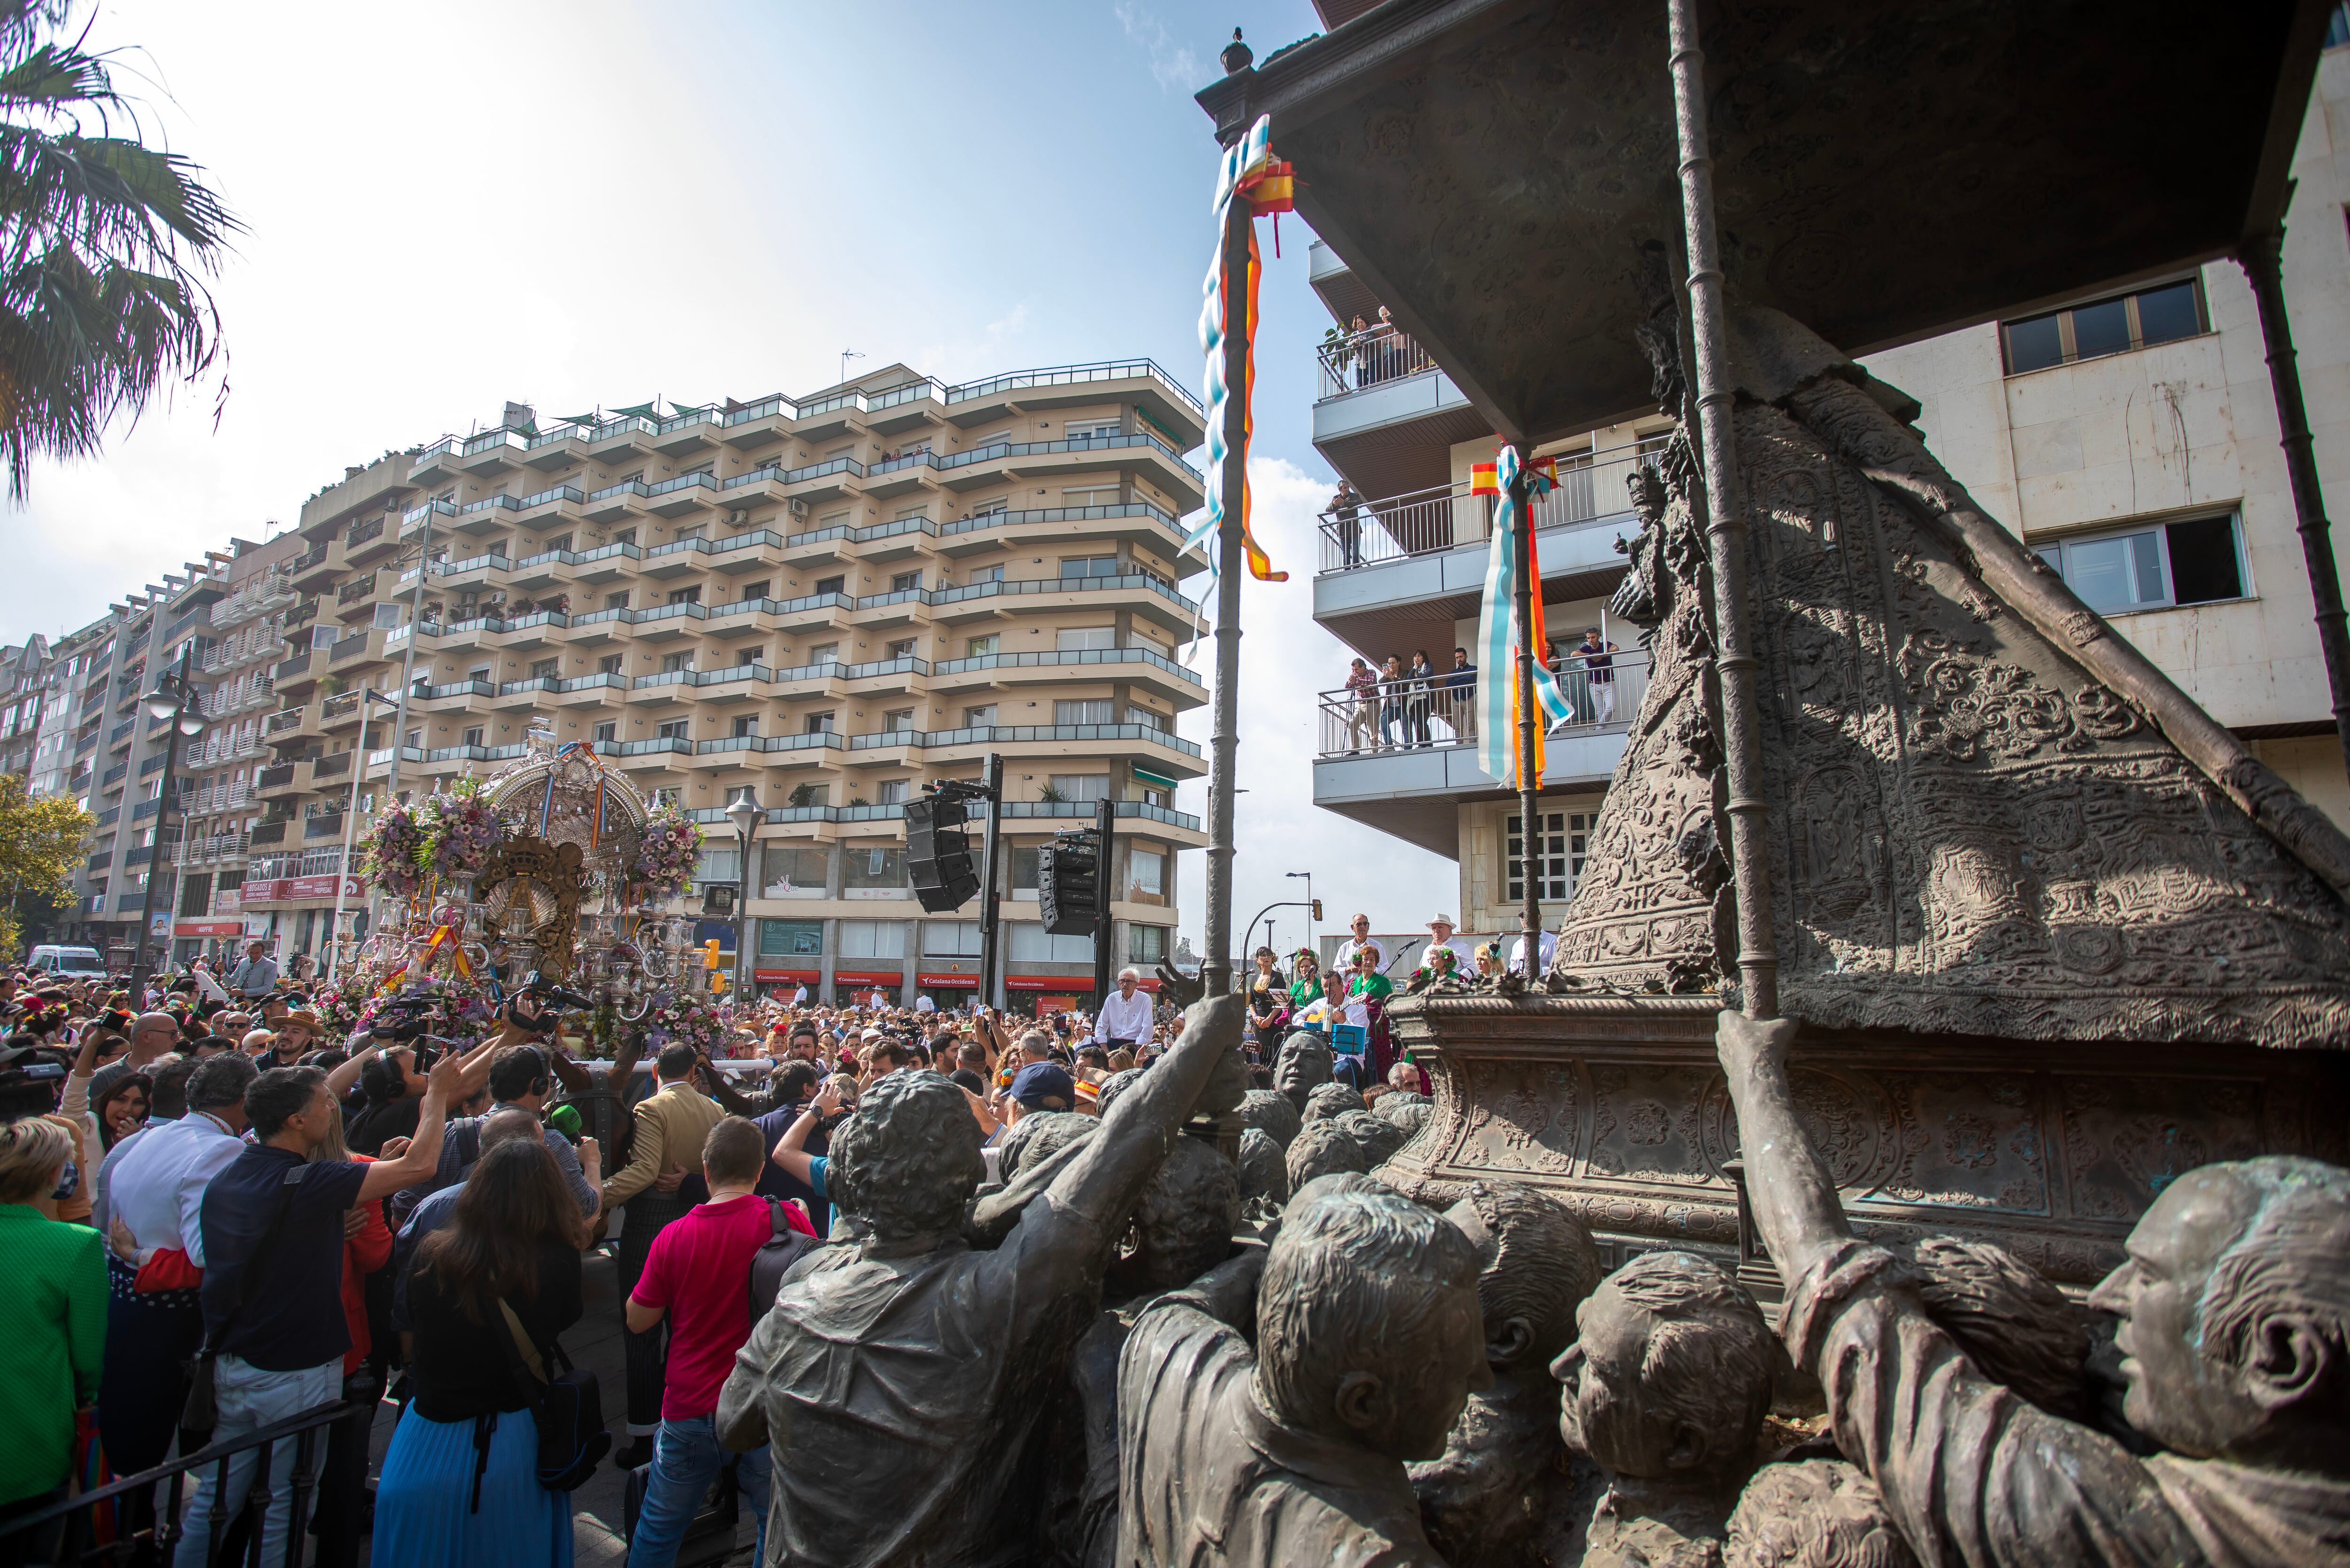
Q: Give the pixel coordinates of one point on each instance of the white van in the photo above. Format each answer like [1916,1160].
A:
[69,964]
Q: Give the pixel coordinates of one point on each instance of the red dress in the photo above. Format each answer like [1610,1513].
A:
[363,1254]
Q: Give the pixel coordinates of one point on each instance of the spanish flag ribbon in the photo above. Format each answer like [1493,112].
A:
[446,935]
[1250,173]
[1499,638]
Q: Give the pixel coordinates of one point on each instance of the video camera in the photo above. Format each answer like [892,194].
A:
[403,1020]
[546,998]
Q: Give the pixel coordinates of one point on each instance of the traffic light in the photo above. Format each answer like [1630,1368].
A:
[1317,909]
[1065,884]
[938,853]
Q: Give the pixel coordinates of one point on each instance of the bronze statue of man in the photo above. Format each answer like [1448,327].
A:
[899,1376]
[2235,1308]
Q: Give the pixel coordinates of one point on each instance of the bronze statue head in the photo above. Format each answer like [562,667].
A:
[2235,1309]
[1669,1376]
[1367,1328]
[909,1160]
[1302,1067]
[1183,1225]
[1537,1264]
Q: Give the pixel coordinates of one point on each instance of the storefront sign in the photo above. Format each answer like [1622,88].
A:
[971,981]
[287,889]
[229,927]
[856,977]
[796,976]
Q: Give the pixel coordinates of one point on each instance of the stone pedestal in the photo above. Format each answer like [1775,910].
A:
[1617,1107]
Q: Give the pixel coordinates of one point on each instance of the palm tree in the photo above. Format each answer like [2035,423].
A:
[101,242]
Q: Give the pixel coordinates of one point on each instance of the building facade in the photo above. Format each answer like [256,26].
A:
[824,601]
[2130,440]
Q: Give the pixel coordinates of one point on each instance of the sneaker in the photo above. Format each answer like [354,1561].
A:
[636,1455]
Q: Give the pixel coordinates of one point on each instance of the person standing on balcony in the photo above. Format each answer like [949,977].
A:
[1391,712]
[1460,685]
[1419,694]
[1363,695]
[1595,650]
[1346,511]
[1359,349]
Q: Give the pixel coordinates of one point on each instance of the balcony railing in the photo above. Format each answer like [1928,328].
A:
[1408,715]
[1591,486]
[1080,656]
[364,531]
[1356,361]
[997,734]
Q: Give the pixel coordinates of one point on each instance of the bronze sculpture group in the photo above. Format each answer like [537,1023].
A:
[1105,1363]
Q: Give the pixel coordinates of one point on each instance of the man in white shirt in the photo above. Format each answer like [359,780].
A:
[1126,1016]
[257,975]
[1345,963]
[923,1004]
[1518,954]
[1465,951]
[800,996]
[157,1196]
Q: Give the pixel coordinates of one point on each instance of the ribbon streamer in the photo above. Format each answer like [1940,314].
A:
[1248,172]
[1497,673]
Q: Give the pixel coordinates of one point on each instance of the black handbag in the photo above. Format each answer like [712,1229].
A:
[567,1407]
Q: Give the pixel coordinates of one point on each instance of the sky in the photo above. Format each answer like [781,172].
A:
[571,205]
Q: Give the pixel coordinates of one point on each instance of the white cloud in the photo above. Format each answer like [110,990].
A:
[1175,66]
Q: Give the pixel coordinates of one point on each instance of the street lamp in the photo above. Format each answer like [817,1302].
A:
[343,871]
[746,815]
[1310,910]
[176,702]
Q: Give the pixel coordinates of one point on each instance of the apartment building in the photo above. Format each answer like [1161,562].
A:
[823,601]
[2131,439]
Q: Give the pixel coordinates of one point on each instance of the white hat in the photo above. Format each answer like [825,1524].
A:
[1444,920]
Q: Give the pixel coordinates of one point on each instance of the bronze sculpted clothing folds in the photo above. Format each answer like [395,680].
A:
[1976,1476]
[1210,1479]
[931,1368]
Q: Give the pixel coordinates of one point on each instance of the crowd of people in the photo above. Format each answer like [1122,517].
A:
[1394,707]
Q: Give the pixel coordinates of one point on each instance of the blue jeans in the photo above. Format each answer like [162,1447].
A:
[686,1459]
[248,1399]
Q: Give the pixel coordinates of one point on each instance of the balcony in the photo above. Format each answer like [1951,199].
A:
[493,451]
[615,502]
[997,668]
[334,764]
[311,570]
[1122,735]
[758,424]
[367,543]
[1160,395]
[423,517]
[688,431]
[1370,383]
[1400,760]
[960,471]
[559,445]
[323,826]
[437,463]
[615,441]
[268,833]
[272,590]
[680,497]
[824,481]
[545,508]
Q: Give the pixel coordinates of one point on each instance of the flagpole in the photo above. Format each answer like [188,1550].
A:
[1216,970]
[1529,718]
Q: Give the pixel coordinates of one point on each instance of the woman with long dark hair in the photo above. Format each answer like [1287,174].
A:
[460,1483]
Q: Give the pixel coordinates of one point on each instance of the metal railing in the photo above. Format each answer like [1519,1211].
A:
[1592,487]
[77,1517]
[1354,361]
[1409,715]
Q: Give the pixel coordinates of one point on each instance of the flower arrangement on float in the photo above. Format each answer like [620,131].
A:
[393,849]
[460,831]
[700,1023]
[666,856]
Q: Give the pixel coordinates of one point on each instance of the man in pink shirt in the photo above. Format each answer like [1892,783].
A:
[698,1275]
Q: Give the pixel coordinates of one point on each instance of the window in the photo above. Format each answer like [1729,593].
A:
[746,724]
[1090,430]
[993,438]
[546,669]
[1148,718]
[1088,710]
[905,582]
[1146,875]
[1085,639]
[617,601]
[907,513]
[817,794]
[902,649]
[790,939]
[873,939]
[625,536]
[1075,566]
[1024,874]
[949,939]
[1146,944]
[757,590]
[672,662]
[981,647]
[472,737]
[996,507]
[1157,797]
[788,871]
[667,794]
[1078,500]
[980,717]
[691,595]
[872,873]
[2116,326]
[1565,839]
[388,615]
[985,575]
[830,584]
[2337,27]
[1034,944]
[1087,787]
[608,732]
[748,655]
[817,723]
[743,792]
[898,722]
[611,664]
[2190,563]
[720,863]
[674,729]
[833,520]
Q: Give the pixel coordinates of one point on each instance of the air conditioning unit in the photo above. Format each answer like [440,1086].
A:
[739,516]
[799,508]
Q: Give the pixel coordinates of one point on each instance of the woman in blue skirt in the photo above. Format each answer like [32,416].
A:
[460,1485]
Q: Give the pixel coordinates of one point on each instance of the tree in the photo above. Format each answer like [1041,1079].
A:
[103,240]
[40,840]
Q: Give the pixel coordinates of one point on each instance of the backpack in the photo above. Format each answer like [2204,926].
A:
[783,1248]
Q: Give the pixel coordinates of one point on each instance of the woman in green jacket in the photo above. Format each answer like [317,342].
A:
[53,1299]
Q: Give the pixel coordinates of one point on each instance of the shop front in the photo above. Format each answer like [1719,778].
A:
[950,987]
[782,984]
[856,987]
